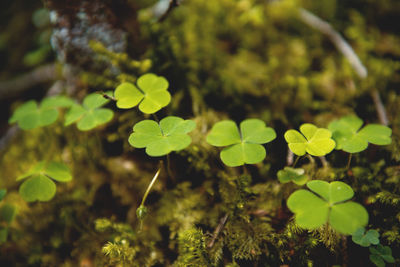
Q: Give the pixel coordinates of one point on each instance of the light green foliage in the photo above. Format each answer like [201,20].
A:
[2,193]
[348,136]
[90,114]
[380,254]
[160,139]
[40,186]
[365,239]
[244,147]
[29,115]
[313,140]
[327,203]
[295,175]
[151,93]
[192,249]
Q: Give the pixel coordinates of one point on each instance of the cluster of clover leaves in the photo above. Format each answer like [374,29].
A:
[379,254]
[323,203]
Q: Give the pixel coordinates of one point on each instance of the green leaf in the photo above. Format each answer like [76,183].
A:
[327,205]
[37,188]
[311,211]
[244,147]
[365,239]
[384,252]
[30,115]
[377,260]
[2,193]
[7,213]
[152,94]
[349,138]
[161,139]
[315,141]
[58,171]
[90,114]
[289,174]
[39,185]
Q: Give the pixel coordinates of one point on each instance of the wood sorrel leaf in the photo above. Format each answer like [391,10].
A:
[289,174]
[161,139]
[348,136]
[29,115]
[327,203]
[38,185]
[244,147]
[315,141]
[151,93]
[90,114]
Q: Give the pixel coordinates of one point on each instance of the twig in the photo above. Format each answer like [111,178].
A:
[218,230]
[26,81]
[172,5]
[7,137]
[380,108]
[289,157]
[315,22]
[341,44]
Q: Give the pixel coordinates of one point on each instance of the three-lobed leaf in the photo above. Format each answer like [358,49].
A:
[244,147]
[160,139]
[380,254]
[30,115]
[39,185]
[295,175]
[365,239]
[90,114]
[328,202]
[312,140]
[348,136]
[150,94]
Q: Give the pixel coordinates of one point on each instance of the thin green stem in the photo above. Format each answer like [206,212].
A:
[295,162]
[349,161]
[150,186]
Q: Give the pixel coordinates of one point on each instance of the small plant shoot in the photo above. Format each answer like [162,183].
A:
[90,114]
[328,202]
[244,147]
[30,116]
[312,140]
[39,185]
[295,175]
[381,254]
[150,94]
[160,139]
[365,239]
[348,136]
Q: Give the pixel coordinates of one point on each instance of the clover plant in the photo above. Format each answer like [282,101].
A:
[90,114]
[244,147]
[327,202]
[381,254]
[348,136]
[161,138]
[365,239]
[150,94]
[30,115]
[312,140]
[39,185]
[295,175]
